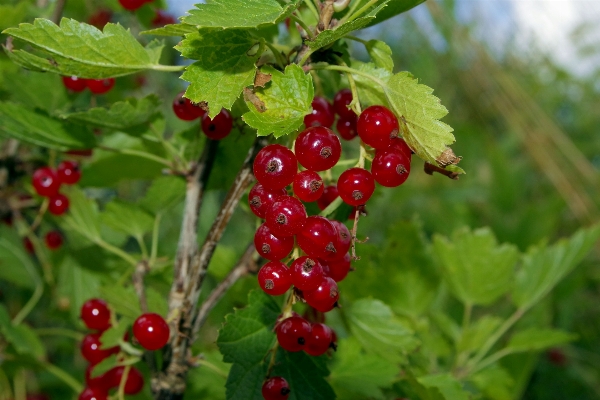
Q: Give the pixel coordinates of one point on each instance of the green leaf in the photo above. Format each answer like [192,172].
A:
[114,335]
[448,386]
[476,268]
[543,267]
[105,365]
[11,15]
[82,50]
[76,284]
[83,215]
[381,54]
[16,266]
[478,333]
[208,383]
[245,382]
[369,92]
[121,115]
[379,331]
[37,128]
[127,218]
[164,193]
[287,99]
[157,302]
[24,339]
[37,90]
[122,299]
[225,66]
[495,382]
[172,30]
[534,339]
[305,374]
[249,14]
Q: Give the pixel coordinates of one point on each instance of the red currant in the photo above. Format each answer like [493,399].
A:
[151,330]
[322,114]
[390,167]
[134,383]
[400,145]
[80,153]
[324,297]
[261,199]
[308,186]
[318,237]
[356,186]
[274,278]
[93,394]
[307,273]
[99,19]
[100,382]
[91,351]
[132,5]
[68,172]
[346,127]
[74,83]
[219,127]
[162,18]
[345,238]
[337,269]
[318,149]
[276,388]
[341,101]
[270,246]
[286,216]
[96,314]
[54,240]
[45,181]
[59,204]
[377,126]
[275,167]
[182,107]
[28,245]
[330,193]
[100,86]
[319,340]
[292,333]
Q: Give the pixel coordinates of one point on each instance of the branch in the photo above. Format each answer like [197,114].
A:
[430,169]
[58,11]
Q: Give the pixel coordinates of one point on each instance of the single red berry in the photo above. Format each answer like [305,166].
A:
[219,127]
[151,330]
[345,238]
[275,167]
[54,240]
[377,126]
[324,297]
[193,108]
[100,18]
[45,181]
[318,237]
[308,186]
[93,394]
[182,110]
[261,199]
[330,193]
[68,172]
[356,186]
[274,278]
[134,383]
[95,314]
[390,167]
[337,269]
[28,245]
[100,382]
[346,127]
[270,246]
[162,18]
[74,83]
[557,357]
[276,388]
[306,272]
[91,351]
[80,153]
[322,114]
[132,5]
[318,148]
[286,216]
[319,340]
[8,220]
[59,204]
[400,145]
[341,101]
[100,86]
[292,333]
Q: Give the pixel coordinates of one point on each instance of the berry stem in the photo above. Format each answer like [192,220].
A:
[313,7]
[31,303]
[121,391]
[277,54]
[140,153]
[354,232]
[355,104]
[331,207]
[60,332]
[39,217]
[304,26]
[352,16]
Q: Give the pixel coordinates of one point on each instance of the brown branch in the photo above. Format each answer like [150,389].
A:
[58,11]
[430,169]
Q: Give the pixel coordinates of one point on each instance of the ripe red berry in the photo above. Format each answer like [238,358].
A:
[322,114]
[275,167]
[400,145]
[91,351]
[345,238]
[53,240]
[557,357]
[276,388]
[346,127]
[219,127]
[80,153]
[308,186]
[261,199]
[319,340]
[270,246]
[74,83]
[182,110]
[134,383]
[324,297]
[99,19]
[390,167]
[100,86]
[100,382]
[93,394]
[68,172]
[306,272]
[377,126]
[337,269]
[286,216]
[341,101]
[59,204]
[292,333]
[330,193]
[356,186]
[274,278]
[318,237]
[151,330]
[162,18]
[28,245]
[132,5]
[318,148]
[45,181]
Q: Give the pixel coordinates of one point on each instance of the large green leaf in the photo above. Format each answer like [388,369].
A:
[534,339]
[77,284]
[127,218]
[37,90]
[287,99]
[16,266]
[248,14]
[172,30]
[75,48]
[305,375]
[476,268]
[165,192]
[381,54]
[225,66]
[83,215]
[448,386]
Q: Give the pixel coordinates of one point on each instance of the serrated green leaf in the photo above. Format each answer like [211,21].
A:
[249,14]
[83,215]
[37,128]
[164,193]
[245,382]
[477,333]
[122,299]
[305,375]
[171,30]
[287,99]
[16,266]
[369,92]
[76,284]
[79,49]
[127,218]
[448,386]
[534,339]
[120,115]
[543,267]
[381,54]
[115,334]
[37,90]
[476,268]
[225,66]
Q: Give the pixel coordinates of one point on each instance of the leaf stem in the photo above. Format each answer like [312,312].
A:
[212,367]
[361,11]
[331,207]
[31,303]
[168,68]
[60,332]
[115,250]
[139,153]
[353,8]
[63,376]
[490,360]
[277,54]
[304,26]
[313,8]
[143,247]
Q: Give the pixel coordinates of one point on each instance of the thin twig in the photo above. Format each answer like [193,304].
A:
[141,269]
[430,169]
[58,11]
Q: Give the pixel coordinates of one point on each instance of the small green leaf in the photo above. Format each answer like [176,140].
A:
[172,30]
[115,334]
[448,386]
[16,266]
[534,339]
[305,374]
[76,284]
[83,214]
[478,333]
[164,193]
[127,218]
[123,300]
[249,14]
[287,99]
[381,54]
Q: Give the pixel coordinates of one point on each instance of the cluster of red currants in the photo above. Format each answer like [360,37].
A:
[150,330]
[133,5]
[217,128]
[47,182]
[96,86]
